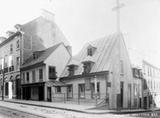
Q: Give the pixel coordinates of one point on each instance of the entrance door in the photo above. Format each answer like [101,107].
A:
[28,93]
[41,93]
[49,96]
[69,91]
[81,89]
[129,95]
[18,89]
[121,94]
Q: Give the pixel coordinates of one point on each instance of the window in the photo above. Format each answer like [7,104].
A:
[121,67]
[17,62]
[58,89]
[52,72]
[11,67]
[23,77]
[69,91]
[6,89]
[87,67]
[93,90]
[71,70]
[17,44]
[27,76]
[33,76]
[81,90]
[40,74]
[11,48]
[6,65]
[89,51]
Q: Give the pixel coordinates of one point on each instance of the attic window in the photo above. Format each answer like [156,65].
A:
[35,56]
[87,66]
[71,70]
[90,50]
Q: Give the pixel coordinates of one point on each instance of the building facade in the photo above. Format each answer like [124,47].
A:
[41,71]
[10,65]
[151,85]
[101,71]
[38,34]
[137,87]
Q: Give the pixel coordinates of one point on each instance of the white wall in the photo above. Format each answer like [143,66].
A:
[59,59]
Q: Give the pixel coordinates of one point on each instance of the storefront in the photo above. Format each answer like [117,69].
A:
[33,91]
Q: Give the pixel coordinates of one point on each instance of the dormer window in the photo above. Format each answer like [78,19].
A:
[137,73]
[87,66]
[35,56]
[71,70]
[90,50]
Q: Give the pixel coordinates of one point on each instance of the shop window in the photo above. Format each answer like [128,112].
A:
[93,94]
[81,90]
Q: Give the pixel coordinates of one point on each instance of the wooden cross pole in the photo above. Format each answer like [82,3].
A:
[117,9]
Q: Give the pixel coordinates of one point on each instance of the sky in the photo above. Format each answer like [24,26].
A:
[82,21]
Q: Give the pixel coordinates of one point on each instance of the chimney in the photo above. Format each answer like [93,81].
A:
[47,15]
[18,27]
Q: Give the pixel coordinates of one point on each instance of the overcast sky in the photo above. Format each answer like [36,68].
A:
[85,20]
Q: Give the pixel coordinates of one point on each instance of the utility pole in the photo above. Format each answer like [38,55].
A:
[117,9]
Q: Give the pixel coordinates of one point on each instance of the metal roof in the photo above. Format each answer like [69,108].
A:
[101,55]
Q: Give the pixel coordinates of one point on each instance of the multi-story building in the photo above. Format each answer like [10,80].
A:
[41,70]
[137,87]
[10,61]
[38,34]
[150,78]
[151,88]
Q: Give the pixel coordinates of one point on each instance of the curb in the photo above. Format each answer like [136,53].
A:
[82,111]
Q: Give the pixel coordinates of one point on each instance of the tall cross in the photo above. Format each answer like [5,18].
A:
[117,9]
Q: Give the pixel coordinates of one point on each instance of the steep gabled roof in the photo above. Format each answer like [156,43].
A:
[101,55]
[41,56]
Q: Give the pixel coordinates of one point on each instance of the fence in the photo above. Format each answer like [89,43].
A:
[88,99]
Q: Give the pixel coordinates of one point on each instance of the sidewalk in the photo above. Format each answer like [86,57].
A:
[75,107]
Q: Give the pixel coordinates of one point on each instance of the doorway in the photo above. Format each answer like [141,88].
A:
[41,93]
[121,93]
[69,91]
[49,94]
